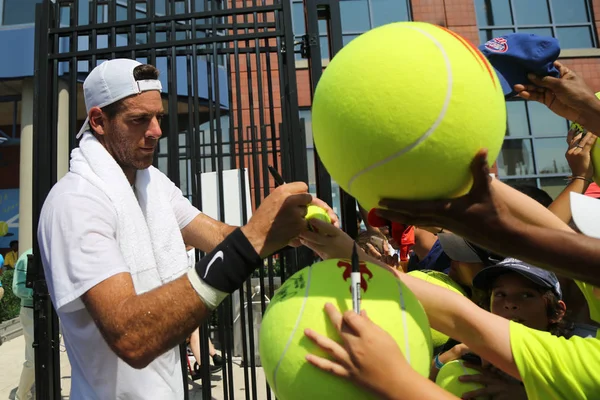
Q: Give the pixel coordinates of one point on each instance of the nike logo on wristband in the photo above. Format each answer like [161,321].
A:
[215,258]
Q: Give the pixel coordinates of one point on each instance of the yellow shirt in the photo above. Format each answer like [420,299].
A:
[592,296]
[555,368]
[11,259]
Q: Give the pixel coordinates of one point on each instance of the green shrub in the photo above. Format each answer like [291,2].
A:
[10,304]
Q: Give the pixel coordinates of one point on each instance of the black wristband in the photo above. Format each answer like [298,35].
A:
[228,266]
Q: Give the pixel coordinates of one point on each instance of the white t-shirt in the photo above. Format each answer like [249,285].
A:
[78,239]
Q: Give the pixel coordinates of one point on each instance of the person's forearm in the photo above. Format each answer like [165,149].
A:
[205,233]
[407,384]
[147,325]
[484,333]
[568,254]
[561,207]
[527,209]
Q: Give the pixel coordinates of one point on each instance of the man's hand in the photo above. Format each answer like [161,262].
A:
[578,154]
[279,219]
[568,96]
[476,211]
[368,355]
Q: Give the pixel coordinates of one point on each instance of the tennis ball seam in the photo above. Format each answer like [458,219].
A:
[293,333]
[404,321]
[431,129]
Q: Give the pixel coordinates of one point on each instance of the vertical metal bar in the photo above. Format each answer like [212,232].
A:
[44,150]
[173,134]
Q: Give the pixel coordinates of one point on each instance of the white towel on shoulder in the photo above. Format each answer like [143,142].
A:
[148,233]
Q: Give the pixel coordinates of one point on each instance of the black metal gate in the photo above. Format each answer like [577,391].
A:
[230,92]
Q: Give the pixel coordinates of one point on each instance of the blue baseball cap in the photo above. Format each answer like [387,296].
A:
[546,279]
[514,56]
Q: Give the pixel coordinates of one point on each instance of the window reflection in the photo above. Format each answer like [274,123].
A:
[517,119]
[531,12]
[550,156]
[575,37]
[515,158]
[570,11]
[539,17]
[544,122]
[388,11]
[355,15]
[490,13]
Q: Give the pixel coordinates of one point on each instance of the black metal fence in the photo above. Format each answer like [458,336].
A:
[230,92]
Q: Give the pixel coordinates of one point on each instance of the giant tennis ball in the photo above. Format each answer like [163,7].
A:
[595,150]
[402,110]
[443,280]
[447,379]
[3,228]
[299,304]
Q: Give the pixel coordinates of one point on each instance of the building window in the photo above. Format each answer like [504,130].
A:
[570,21]
[358,16]
[534,148]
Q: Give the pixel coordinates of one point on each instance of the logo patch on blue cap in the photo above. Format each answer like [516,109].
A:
[497,45]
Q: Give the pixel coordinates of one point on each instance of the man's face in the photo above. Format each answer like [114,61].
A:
[516,298]
[132,135]
[14,247]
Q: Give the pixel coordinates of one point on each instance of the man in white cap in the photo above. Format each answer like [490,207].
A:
[112,238]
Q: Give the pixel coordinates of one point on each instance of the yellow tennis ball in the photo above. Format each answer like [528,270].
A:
[299,304]
[402,110]
[447,379]
[3,228]
[318,213]
[443,280]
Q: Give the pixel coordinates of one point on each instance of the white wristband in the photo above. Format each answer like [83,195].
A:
[210,296]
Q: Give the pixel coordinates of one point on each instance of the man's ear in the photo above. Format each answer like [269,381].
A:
[97,120]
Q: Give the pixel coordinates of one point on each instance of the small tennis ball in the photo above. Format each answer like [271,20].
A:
[447,379]
[299,304]
[399,104]
[316,212]
[3,228]
[443,280]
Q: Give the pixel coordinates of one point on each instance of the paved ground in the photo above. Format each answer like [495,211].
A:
[12,354]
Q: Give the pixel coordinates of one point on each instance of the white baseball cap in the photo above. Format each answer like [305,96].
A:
[110,82]
[586,214]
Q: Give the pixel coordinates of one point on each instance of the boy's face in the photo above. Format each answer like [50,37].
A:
[516,298]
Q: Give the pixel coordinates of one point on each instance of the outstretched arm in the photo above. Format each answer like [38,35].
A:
[484,216]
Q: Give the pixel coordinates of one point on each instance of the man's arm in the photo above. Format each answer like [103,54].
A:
[139,328]
[204,233]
